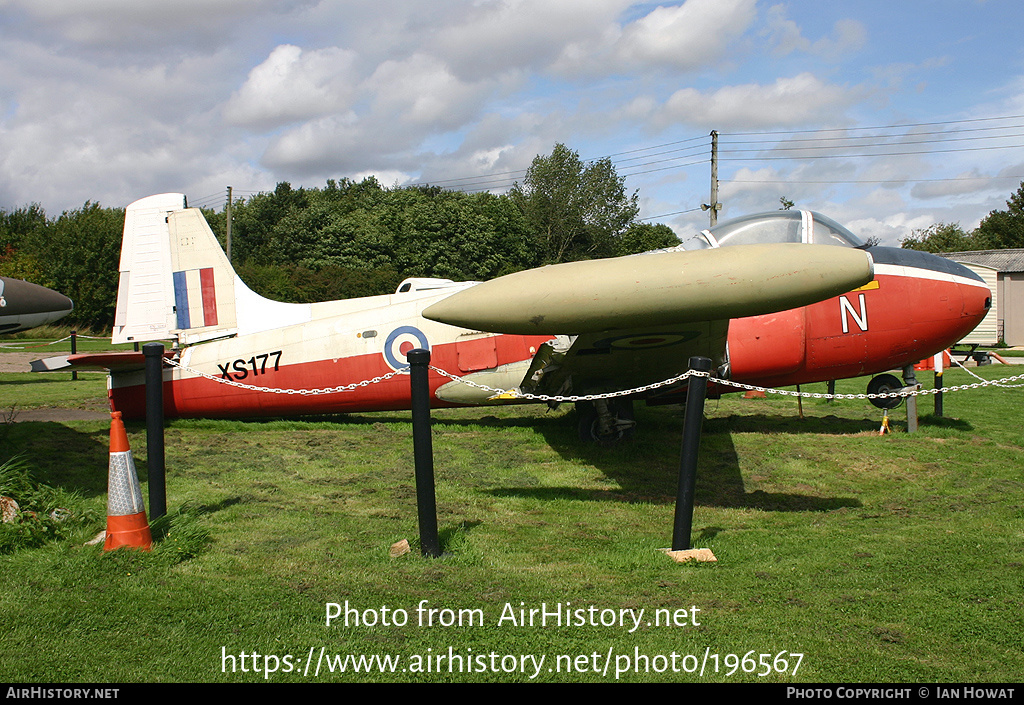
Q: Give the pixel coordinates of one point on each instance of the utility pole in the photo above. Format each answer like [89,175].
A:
[714,206]
[227,212]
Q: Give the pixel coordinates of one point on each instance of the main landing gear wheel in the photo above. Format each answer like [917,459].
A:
[605,422]
[882,384]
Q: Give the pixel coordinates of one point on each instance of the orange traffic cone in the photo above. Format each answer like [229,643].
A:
[126,515]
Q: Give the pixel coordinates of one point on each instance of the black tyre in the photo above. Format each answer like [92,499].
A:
[882,384]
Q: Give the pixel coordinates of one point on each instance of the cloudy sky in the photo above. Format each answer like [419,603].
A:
[888,116]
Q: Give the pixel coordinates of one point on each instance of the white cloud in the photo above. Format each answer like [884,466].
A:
[848,36]
[783,32]
[496,36]
[965,183]
[696,34]
[800,100]
[292,85]
[142,26]
[691,35]
[334,143]
[422,90]
[786,37]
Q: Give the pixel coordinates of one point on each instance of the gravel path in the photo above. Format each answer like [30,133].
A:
[18,361]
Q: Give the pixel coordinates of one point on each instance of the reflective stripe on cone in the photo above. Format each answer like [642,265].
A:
[127,525]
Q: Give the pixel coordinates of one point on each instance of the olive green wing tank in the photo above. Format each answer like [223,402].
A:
[656,289]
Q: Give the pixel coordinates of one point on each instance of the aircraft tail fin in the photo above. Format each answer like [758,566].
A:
[176,282]
[143,296]
[202,279]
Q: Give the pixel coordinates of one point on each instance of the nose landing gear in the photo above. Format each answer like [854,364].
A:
[881,384]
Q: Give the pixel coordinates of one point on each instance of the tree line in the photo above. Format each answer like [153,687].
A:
[999,230]
[355,238]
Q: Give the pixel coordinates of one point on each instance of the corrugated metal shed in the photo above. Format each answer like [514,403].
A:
[988,331]
[999,260]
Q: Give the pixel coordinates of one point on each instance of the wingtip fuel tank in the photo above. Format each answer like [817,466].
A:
[654,289]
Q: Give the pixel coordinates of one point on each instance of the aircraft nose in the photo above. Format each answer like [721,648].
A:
[955,282]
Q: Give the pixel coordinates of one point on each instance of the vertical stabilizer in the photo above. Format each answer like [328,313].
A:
[176,281]
[145,299]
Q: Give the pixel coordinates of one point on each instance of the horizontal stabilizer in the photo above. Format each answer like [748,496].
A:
[656,289]
[120,361]
[51,364]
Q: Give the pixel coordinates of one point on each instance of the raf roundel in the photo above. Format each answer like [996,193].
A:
[400,341]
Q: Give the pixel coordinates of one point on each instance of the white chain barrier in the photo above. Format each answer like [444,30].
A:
[272,390]
[996,383]
[518,394]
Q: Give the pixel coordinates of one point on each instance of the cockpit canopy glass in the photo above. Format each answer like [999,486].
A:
[775,227]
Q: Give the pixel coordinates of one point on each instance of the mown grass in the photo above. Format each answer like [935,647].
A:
[879,558]
[49,333]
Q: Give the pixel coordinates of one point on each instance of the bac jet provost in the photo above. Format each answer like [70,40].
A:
[780,298]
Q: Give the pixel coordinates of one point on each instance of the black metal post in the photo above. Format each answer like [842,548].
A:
[696,392]
[154,353]
[939,360]
[74,351]
[423,451]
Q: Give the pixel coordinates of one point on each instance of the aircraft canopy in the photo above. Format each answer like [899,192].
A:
[777,227]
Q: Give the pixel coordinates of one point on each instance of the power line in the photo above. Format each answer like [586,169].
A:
[868,181]
[785,148]
[879,154]
[665,215]
[876,127]
[637,165]
[880,136]
[680,154]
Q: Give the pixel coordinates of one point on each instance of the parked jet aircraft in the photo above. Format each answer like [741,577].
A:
[779,298]
[24,305]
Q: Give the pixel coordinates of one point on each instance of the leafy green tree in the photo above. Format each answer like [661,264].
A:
[267,228]
[459,236]
[369,238]
[1004,229]
[644,237]
[283,282]
[575,211]
[19,229]
[941,237]
[80,252]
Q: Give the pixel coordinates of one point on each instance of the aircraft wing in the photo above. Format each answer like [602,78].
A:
[629,321]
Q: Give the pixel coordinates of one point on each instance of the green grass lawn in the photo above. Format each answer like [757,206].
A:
[57,343]
[896,558]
